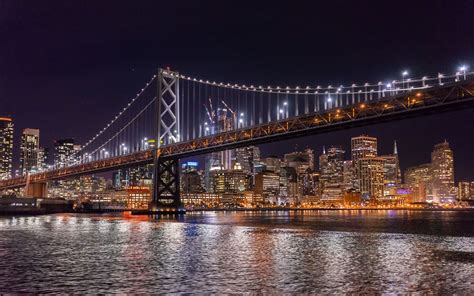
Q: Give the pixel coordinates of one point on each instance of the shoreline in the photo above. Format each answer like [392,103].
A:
[325,209]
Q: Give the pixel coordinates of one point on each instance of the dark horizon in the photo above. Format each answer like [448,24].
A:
[68,67]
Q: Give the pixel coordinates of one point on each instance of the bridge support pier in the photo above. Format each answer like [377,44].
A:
[38,190]
[166,189]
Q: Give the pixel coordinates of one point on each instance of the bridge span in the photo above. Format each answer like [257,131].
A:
[434,100]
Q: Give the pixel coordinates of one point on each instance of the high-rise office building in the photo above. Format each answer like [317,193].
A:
[43,158]
[63,151]
[392,175]
[268,185]
[332,173]
[300,160]
[418,179]
[6,147]
[371,177]
[465,190]
[362,147]
[247,157]
[29,150]
[442,170]
[349,176]
[391,170]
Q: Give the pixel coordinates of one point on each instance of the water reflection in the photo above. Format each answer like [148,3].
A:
[275,252]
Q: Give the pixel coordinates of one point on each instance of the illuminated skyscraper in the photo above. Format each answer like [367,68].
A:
[349,176]
[362,147]
[465,190]
[63,151]
[442,172]
[247,157]
[419,180]
[6,147]
[371,177]
[391,169]
[29,150]
[332,173]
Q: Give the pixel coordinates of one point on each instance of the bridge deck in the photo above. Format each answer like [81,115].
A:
[420,102]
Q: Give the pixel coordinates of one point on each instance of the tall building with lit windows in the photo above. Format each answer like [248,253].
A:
[6,147]
[29,150]
[63,150]
[391,170]
[442,169]
[419,181]
[362,147]
[247,157]
[332,173]
[371,173]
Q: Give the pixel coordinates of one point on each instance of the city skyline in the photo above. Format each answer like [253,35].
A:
[268,150]
[85,70]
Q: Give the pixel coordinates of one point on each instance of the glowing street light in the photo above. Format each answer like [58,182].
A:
[404,73]
[463,69]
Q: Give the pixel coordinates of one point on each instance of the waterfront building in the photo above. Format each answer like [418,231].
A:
[419,180]
[371,174]
[138,197]
[466,190]
[63,151]
[229,181]
[267,184]
[29,150]
[442,169]
[6,147]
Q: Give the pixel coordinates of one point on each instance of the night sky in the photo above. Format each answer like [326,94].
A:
[67,67]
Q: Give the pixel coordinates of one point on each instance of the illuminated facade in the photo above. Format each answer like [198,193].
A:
[267,184]
[138,197]
[371,177]
[362,147]
[442,170]
[63,150]
[6,147]
[29,150]
[332,173]
[465,190]
[419,181]
[349,176]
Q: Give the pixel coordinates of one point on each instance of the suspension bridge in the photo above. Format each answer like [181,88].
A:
[175,116]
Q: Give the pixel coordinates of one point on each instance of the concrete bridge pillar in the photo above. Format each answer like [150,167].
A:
[38,190]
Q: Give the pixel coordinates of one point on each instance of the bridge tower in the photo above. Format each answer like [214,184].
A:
[166,188]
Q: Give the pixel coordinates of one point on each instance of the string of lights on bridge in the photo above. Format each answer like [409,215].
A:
[120,113]
[389,86]
[332,95]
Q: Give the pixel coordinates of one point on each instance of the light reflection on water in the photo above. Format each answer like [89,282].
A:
[274,252]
